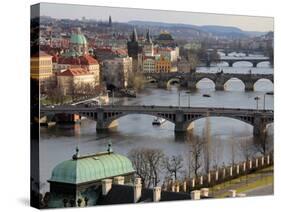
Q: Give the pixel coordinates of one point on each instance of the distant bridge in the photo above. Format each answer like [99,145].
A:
[189,80]
[182,117]
[231,61]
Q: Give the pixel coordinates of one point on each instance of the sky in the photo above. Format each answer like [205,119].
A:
[247,23]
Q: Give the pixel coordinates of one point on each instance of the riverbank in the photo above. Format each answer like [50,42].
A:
[249,184]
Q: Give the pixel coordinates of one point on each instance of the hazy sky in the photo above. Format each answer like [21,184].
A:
[248,23]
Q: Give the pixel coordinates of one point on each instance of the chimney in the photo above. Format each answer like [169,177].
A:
[106,186]
[204,192]
[195,195]
[232,193]
[156,194]
[119,180]
[137,190]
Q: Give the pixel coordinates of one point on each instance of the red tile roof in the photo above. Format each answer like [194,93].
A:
[82,60]
[74,72]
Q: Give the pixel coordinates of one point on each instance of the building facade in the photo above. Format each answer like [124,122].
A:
[42,70]
[116,72]
[74,78]
[163,65]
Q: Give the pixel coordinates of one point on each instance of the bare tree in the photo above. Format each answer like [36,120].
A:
[263,144]
[233,152]
[174,165]
[196,155]
[207,146]
[217,150]
[147,163]
[246,148]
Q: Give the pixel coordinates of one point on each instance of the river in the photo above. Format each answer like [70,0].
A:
[58,143]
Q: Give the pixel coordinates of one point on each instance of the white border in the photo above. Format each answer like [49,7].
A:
[14,104]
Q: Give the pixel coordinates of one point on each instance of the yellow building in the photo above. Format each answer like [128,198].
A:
[163,64]
[41,69]
[41,66]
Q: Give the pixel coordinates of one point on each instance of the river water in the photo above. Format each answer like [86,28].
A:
[58,143]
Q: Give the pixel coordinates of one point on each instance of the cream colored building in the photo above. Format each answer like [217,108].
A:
[148,64]
[73,78]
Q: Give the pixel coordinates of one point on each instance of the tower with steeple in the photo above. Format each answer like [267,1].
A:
[134,49]
[148,48]
[109,21]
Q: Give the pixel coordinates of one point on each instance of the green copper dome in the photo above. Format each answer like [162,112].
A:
[91,168]
[78,38]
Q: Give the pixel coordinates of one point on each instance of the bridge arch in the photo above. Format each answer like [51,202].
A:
[242,63]
[168,117]
[265,64]
[173,80]
[245,119]
[200,81]
[263,84]
[151,80]
[234,83]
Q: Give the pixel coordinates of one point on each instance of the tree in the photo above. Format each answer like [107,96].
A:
[217,150]
[174,165]
[147,163]
[214,56]
[246,148]
[207,146]
[55,95]
[196,155]
[193,60]
[263,144]
[136,81]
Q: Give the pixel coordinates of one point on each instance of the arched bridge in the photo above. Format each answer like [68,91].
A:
[231,61]
[189,80]
[182,117]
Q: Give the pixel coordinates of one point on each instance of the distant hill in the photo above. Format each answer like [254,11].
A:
[215,30]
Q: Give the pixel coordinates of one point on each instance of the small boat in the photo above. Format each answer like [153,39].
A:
[206,95]
[270,93]
[158,121]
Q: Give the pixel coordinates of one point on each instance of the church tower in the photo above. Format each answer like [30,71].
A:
[148,48]
[109,21]
[134,49]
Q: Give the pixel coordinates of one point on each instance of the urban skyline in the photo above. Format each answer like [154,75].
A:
[72,11]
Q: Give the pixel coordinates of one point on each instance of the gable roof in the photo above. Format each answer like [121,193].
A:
[74,72]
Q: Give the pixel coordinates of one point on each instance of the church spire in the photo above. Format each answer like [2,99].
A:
[109,21]
[148,38]
[134,35]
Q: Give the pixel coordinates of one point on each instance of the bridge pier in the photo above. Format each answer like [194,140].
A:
[249,86]
[162,84]
[219,87]
[191,85]
[230,64]
[255,64]
[103,125]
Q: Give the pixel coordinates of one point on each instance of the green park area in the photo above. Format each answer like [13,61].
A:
[258,179]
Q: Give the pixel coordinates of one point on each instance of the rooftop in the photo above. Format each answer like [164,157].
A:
[90,168]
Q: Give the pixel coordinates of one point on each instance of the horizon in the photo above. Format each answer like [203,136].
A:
[125,15]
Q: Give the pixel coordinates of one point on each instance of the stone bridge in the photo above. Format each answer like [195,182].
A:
[189,80]
[182,117]
[231,61]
